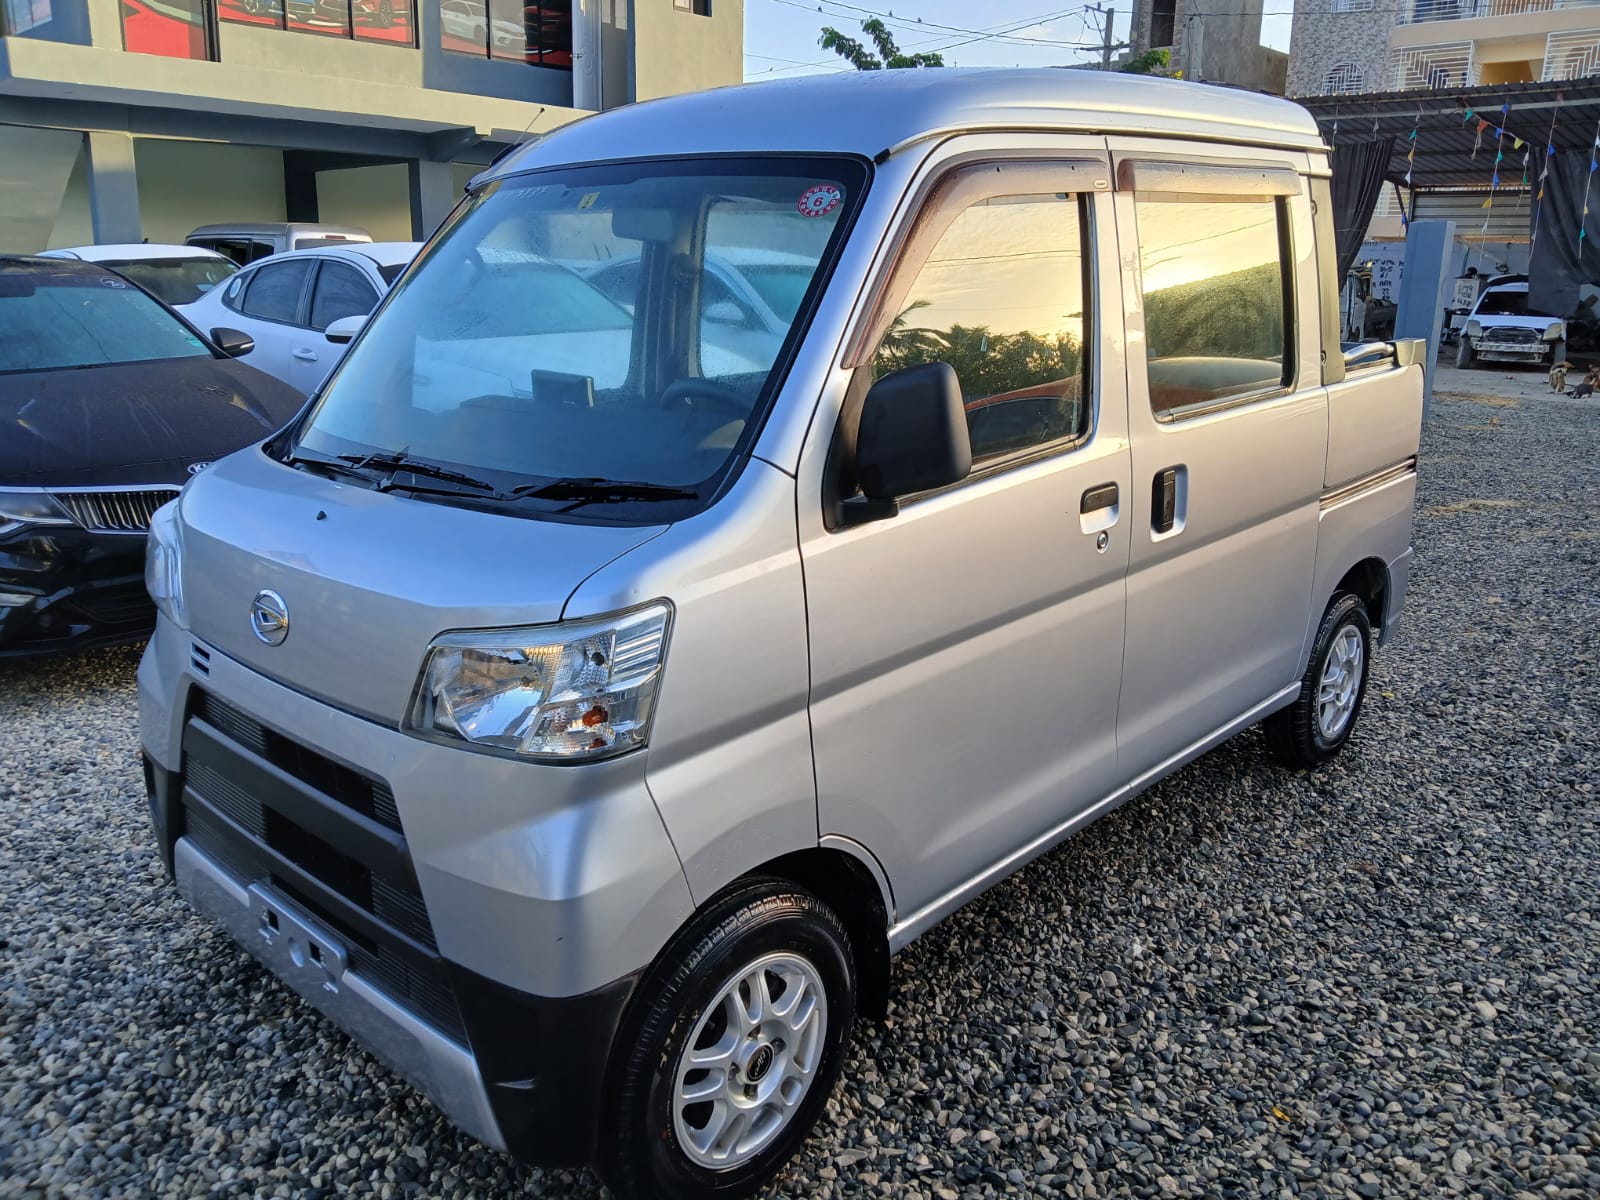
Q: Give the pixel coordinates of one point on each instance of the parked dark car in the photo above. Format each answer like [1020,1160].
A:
[109,401]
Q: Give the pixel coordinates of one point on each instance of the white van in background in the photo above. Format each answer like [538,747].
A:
[247,241]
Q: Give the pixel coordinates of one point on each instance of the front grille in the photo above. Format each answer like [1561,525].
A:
[114,604]
[1509,333]
[310,844]
[115,511]
[367,796]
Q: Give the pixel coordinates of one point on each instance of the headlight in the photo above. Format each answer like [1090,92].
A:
[19,508]
[163,564]
[570,692]
[1556,331]
[1474,329]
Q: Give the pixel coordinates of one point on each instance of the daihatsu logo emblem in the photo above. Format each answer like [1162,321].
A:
[269,617]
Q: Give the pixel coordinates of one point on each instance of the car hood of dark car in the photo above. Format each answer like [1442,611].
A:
[133,423]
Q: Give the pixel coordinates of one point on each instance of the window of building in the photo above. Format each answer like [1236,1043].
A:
[273,292]
[1352,6]
[172,28]
[539,33]
[1163,19]
[341,291]
[1344,79]
[1215,276]
[700,8]
[1001,298]
[388,21]
[19,16]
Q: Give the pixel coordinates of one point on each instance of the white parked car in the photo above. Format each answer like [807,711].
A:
[1501,328]
[175,274]
[286,301]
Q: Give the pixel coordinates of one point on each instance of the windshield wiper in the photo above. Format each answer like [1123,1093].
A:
[595,490]
[395,463]
[300,458]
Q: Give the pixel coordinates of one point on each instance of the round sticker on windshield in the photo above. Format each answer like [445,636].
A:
[820,200]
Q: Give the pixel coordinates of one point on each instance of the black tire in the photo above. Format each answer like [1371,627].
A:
[640,1156]
[385,14]
[1466,359]
[1294,734]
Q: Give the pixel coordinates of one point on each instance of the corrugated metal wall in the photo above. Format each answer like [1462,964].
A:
[1508,219]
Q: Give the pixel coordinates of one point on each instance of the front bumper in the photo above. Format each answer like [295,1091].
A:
[76,590]
[481,939]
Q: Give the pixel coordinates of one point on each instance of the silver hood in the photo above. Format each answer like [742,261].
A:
[368,578]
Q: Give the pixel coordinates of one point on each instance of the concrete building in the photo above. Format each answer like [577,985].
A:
[1212,41]
[123,120]
[1354,46]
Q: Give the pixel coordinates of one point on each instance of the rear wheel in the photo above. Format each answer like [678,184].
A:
[1320,721]
[735,1041]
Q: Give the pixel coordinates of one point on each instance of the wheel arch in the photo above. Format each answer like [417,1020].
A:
[844,876]
[1369,580]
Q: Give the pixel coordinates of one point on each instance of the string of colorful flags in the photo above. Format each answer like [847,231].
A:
[1505,142]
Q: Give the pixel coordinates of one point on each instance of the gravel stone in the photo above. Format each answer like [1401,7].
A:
[1379,979]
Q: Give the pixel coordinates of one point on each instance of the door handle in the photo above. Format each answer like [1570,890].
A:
[1164,501]
[305,355]
[1101,496]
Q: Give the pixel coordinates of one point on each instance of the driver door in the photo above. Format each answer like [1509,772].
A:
[966,653]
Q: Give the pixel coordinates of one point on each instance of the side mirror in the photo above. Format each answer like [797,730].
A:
[913,435]
[724,312]
[235,343]
[344,330]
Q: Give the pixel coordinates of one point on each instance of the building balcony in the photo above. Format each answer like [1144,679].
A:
[1461,43]
[1422,11]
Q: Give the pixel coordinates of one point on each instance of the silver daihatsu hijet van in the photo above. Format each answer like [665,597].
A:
[611,668]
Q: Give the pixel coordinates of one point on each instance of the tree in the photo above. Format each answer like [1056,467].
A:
[1151,62]
[889,54]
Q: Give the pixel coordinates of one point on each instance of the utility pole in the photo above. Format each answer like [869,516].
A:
[1108,14]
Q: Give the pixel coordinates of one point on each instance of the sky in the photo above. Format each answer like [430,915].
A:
[780,36]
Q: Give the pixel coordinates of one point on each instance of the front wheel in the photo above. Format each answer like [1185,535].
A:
[1465,357]
[736,1039]
[1319,722]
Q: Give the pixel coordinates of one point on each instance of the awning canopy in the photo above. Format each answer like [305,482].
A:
[1451,150]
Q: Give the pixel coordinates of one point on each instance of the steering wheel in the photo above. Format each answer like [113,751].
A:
[709,396]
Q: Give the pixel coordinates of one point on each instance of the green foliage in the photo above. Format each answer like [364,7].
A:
[988,364]
[888,56]
[1239,315]
[1151,62]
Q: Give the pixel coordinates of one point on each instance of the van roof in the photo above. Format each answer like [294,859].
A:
[276,228]
[869,112]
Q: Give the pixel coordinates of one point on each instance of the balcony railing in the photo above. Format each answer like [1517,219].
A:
[1571,55]
[1463,10]
[1448,65]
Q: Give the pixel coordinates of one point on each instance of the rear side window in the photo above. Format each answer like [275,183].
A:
[1001,299]
[1215,277]
[273,293]
[243,251]
[342,291]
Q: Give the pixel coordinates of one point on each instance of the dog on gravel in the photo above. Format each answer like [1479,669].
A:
[1558,377]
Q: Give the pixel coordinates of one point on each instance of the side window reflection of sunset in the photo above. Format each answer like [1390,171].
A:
[1213,278]
[1001,299]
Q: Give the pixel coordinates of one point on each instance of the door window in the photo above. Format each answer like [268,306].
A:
[341,291]
[1215,277]
[274,293]
[1001,298]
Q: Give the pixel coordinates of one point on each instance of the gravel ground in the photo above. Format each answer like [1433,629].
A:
[1380,980]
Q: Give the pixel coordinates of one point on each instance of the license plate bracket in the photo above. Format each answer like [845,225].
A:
[295,943]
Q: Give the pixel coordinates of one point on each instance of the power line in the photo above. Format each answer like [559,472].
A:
[915,24]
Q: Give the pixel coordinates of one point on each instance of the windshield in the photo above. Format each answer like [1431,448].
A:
[51,321]
[1497,303]
[176,280]
[502,354]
